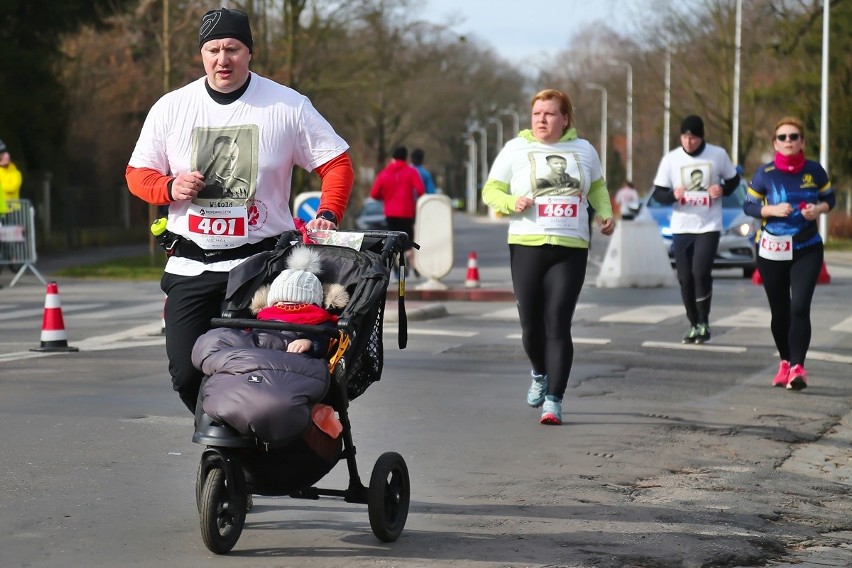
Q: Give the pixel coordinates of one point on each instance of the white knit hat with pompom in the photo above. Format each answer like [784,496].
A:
[298,283]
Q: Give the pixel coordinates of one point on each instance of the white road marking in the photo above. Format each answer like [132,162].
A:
[845,325]
[645,314]
[692,346]
[829,357]
[39,312]
[439,332]
[140,336]
[155,309]
[751,317]
[579,340]
[512,313]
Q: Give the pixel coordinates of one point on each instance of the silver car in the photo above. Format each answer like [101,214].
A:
[371,216]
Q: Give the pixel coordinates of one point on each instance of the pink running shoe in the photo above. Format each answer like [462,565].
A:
[798,378]
[783,375]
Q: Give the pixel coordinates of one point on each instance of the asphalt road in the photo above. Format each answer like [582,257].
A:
[669,456]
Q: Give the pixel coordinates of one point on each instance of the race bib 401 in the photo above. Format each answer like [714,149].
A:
[218,227]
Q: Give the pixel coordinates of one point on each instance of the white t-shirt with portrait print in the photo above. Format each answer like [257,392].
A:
[275,129]
[523,165]
[695,215]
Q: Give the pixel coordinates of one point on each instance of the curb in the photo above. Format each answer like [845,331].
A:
[420,313]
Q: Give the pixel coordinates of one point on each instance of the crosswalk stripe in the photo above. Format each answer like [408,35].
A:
[645,314]
[750,317]
[829,357]
[845,325]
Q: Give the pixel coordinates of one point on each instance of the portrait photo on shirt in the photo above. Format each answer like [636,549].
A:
[695,177]
[555,174]
[227,158]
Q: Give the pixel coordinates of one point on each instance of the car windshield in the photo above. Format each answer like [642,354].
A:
[733,201]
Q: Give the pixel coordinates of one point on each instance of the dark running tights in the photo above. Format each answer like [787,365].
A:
[192,301]
[547,281]
[789,286]
[694,254]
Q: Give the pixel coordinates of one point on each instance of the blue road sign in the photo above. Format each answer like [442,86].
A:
[307,205]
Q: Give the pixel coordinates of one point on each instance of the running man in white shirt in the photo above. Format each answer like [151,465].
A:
[693,178]
[275,128]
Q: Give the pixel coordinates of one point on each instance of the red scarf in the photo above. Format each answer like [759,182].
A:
[306,314]
[790,164]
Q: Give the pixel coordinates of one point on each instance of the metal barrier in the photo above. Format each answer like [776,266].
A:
[17,239]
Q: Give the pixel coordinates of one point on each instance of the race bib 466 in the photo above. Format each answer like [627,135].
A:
[557,211]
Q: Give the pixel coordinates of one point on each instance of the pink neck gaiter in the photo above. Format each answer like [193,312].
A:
[790,164]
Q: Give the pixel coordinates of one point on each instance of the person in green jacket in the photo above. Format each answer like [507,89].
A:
[548,238]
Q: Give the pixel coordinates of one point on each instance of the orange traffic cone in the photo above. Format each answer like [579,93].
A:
[53,337]
[756,278]
[472,279]
[823,277]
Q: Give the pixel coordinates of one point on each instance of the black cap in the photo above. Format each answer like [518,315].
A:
[224,23]
[3,147]
[692,124]
[400,153]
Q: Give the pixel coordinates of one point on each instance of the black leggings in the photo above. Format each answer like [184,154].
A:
[789,286]
[547,280]
[192,301]
[694,254]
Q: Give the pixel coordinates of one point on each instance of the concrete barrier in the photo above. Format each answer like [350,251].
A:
[636,257]
[433,231]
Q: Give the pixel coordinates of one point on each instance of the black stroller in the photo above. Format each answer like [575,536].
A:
[234,466]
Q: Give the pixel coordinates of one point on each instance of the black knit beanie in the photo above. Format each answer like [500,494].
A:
[692,124]
[225,23]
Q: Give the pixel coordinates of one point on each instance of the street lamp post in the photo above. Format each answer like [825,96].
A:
[735,112]
[471,173]
[515,119]
[483,153]
[629,115]
[499,123]
[667,101]
[602,89]
[823,120]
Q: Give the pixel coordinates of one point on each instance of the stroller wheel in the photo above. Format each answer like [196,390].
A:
[388,496]
[222,518]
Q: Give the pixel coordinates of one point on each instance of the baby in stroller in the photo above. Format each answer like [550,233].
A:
[276,356]
[272,395]
[297,296]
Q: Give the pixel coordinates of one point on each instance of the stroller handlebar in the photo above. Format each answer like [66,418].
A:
[274,325]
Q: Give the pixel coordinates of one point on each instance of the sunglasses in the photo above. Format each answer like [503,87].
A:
[783,137]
